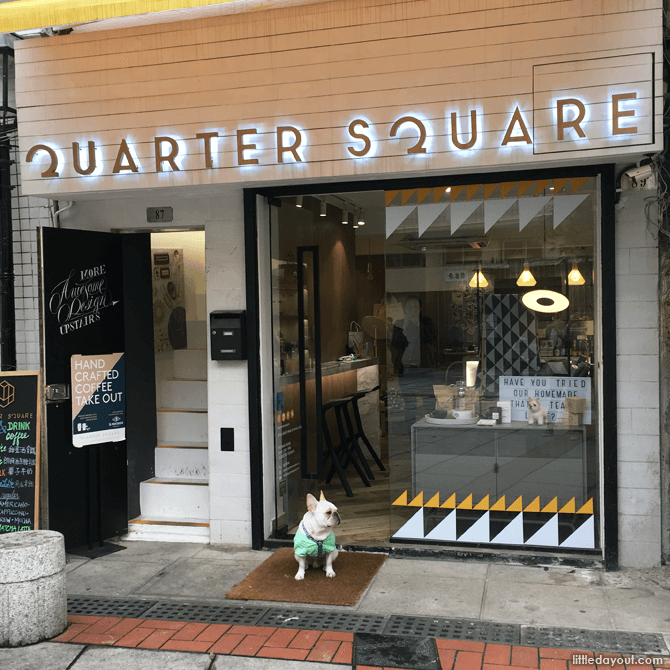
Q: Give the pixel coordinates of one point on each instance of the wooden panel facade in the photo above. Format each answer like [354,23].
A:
[316,68]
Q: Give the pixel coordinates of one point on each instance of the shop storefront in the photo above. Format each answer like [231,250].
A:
[415,237]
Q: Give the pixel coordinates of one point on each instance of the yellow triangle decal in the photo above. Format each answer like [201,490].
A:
[499,506]
[541,184]
[516,506]
[586,508]
[471,189]
[483,503]
[455,192]
[506,187]
[434,501]
[568,508]
[390,195]
[421,194]
[418,501]
[488,189]
[524,186]
[450,502]
[577,182]
[551,507]
[406,195]
[559,184]
[534,506]
[401,500]
[438,193]
[466,504]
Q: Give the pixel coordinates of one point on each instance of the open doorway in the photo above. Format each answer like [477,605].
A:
[174,503]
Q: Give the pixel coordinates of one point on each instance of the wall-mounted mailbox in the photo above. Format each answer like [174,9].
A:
[228,334]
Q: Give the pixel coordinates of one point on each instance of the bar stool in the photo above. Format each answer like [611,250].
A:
[344,447]
[359,433]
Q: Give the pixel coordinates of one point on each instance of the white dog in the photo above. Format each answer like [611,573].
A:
[314,540]
[537,413]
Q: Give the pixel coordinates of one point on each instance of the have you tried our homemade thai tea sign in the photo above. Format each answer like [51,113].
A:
[550,391]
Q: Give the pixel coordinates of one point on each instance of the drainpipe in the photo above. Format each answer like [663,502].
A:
[7,313]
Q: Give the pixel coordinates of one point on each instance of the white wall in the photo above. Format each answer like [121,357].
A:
[637,385]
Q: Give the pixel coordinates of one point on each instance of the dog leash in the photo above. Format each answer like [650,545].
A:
[319,543]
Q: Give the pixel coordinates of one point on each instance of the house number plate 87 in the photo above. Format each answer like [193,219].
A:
[155,214]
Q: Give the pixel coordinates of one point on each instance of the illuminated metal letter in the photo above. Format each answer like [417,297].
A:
[207,137]
[359,136]
[524,137]
[473,130]
[241,147]
[160,159]
[51,171]
[76,163]
[418,148]
[281,149]
[562,124]
[124,152]
[617,114]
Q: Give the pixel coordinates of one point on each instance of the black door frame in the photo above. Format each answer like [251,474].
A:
[606,172]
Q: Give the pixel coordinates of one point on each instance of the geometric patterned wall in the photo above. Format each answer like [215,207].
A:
[511,524]
[510,341]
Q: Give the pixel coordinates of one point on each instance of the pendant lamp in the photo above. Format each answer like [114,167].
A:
[478,280]
[526,277]
[575,277]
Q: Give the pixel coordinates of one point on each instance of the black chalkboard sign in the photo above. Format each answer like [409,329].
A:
[19,450]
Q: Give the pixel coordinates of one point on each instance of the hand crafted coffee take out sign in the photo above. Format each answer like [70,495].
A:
[98,399]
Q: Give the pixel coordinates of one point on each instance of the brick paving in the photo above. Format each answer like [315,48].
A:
[331,646]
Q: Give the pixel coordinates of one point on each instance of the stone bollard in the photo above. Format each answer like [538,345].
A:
[33,598]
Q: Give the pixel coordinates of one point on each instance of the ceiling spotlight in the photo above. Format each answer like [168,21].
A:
[322,212]
[526,277]
[575,277]
[298,201]
[354,226]
[359,218]
[345,217]
[545,301]
[478,280]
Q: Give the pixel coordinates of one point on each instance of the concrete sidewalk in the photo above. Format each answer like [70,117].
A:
[629,600]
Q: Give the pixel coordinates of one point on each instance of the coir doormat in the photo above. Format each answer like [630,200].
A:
[274,580]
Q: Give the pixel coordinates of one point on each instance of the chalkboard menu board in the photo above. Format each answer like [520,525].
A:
[19,450]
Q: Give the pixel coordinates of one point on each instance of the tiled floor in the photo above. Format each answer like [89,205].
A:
[258,641]
[336,647]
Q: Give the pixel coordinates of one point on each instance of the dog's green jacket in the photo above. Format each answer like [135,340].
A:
[305,546]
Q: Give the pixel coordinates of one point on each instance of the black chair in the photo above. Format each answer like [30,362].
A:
[345,448]
[359,433]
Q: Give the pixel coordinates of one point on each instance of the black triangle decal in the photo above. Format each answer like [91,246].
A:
[432,517]
[498,521]
[465,518]
[532,522]
[568,524]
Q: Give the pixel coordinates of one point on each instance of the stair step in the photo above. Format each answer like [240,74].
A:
[170,497]
[190,364]
[181,462]
[168,529]
[183,393]
[175,425]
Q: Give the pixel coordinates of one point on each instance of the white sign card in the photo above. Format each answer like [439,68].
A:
[551,392]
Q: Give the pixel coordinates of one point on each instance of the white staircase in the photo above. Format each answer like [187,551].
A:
[174,504]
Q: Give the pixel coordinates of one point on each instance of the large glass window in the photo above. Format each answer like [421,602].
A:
[492,406]
[469,414]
